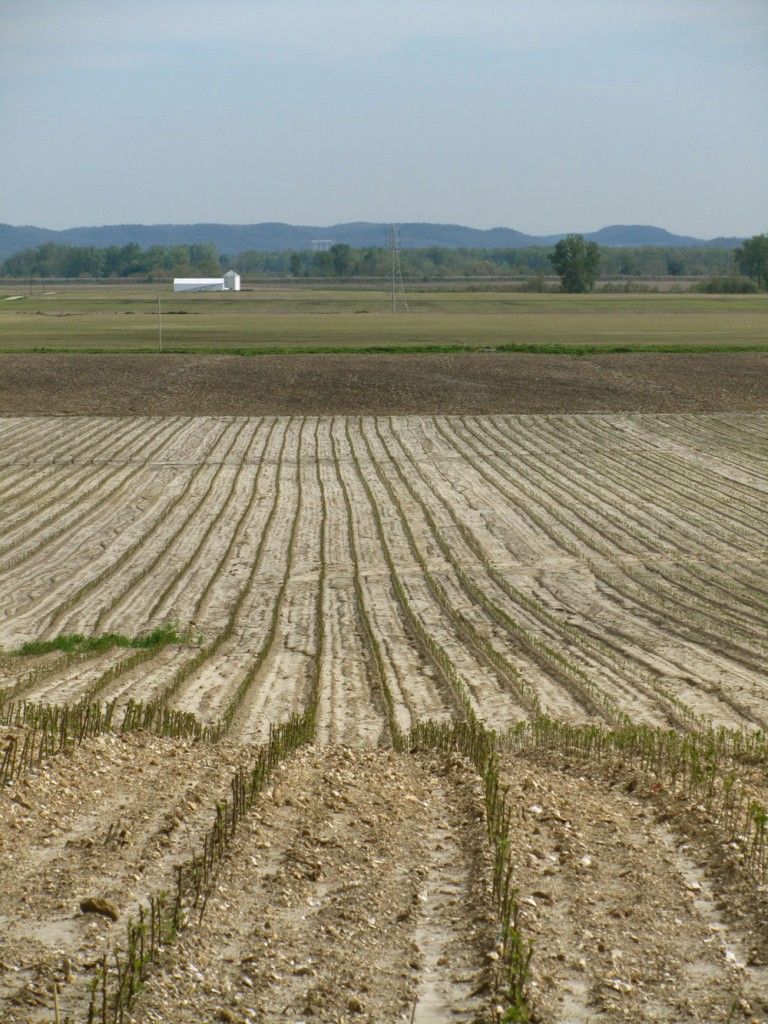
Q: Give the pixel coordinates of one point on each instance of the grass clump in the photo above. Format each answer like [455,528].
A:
[76,643]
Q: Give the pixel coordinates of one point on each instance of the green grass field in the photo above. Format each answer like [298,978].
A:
[120,318]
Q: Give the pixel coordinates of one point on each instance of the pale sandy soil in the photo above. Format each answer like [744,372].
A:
[357,889]
[594,566]
[109,821]
[598,568]
[635,907]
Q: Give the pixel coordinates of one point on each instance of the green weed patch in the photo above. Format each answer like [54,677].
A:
[76,643]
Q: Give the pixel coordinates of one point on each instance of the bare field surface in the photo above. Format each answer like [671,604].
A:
[358,889]
[375,578]
[438,383]
[76,831]
[591,568]
[637,914]
[367,884]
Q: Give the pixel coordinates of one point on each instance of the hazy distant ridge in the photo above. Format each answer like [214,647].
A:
[271,237]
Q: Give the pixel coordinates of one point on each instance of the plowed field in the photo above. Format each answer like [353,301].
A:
[582,595]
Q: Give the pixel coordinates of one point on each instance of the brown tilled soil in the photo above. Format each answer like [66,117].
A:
[357,890]
[636,906]
[164,385]
[107,821]
[359,887]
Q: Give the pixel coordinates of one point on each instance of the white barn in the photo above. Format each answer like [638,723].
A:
[198,284]
[229,283]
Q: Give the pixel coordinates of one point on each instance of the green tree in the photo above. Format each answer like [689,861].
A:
[295,264]
[340,254]
[322,263]
[367,263]
[177,257]
[577,262]
[204,258]
[752,259]
[628,266]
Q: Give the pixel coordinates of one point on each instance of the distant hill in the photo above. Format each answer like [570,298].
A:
[630,235]
[274,237]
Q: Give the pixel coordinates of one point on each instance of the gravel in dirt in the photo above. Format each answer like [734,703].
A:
[83,840]
[357,890]
[631,918]
[627,548]
[483,383]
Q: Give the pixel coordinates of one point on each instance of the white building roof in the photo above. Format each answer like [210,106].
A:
[198,280]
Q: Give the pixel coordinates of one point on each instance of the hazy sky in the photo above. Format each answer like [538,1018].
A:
[544,115]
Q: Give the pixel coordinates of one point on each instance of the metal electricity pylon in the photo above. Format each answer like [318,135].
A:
[398,290]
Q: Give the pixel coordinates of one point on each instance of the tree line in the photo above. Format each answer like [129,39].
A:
[578,265]
[442,263]
[577,262]
[159,261]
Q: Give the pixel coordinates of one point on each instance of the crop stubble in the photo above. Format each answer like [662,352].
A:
[597,569]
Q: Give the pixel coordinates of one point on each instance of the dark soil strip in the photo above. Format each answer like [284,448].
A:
[461,383]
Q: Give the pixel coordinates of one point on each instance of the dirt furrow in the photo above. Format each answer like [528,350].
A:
[416,686]
[57,531]
[138,564]
[288,664]
[453,971]
[506,589]
[195,573]
[477,590]
[24,438]
[71,683]
[645,605]
[492,694]
[350,709]
[708,685]
[679,438]
[236,655]
[230,576]
[141,592]
[54,484]
[676,508]
[620,541]
[329,886]
[74,831]
[351,706]
[661,480]
[621,922]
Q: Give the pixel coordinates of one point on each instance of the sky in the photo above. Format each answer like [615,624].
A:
[541,115]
